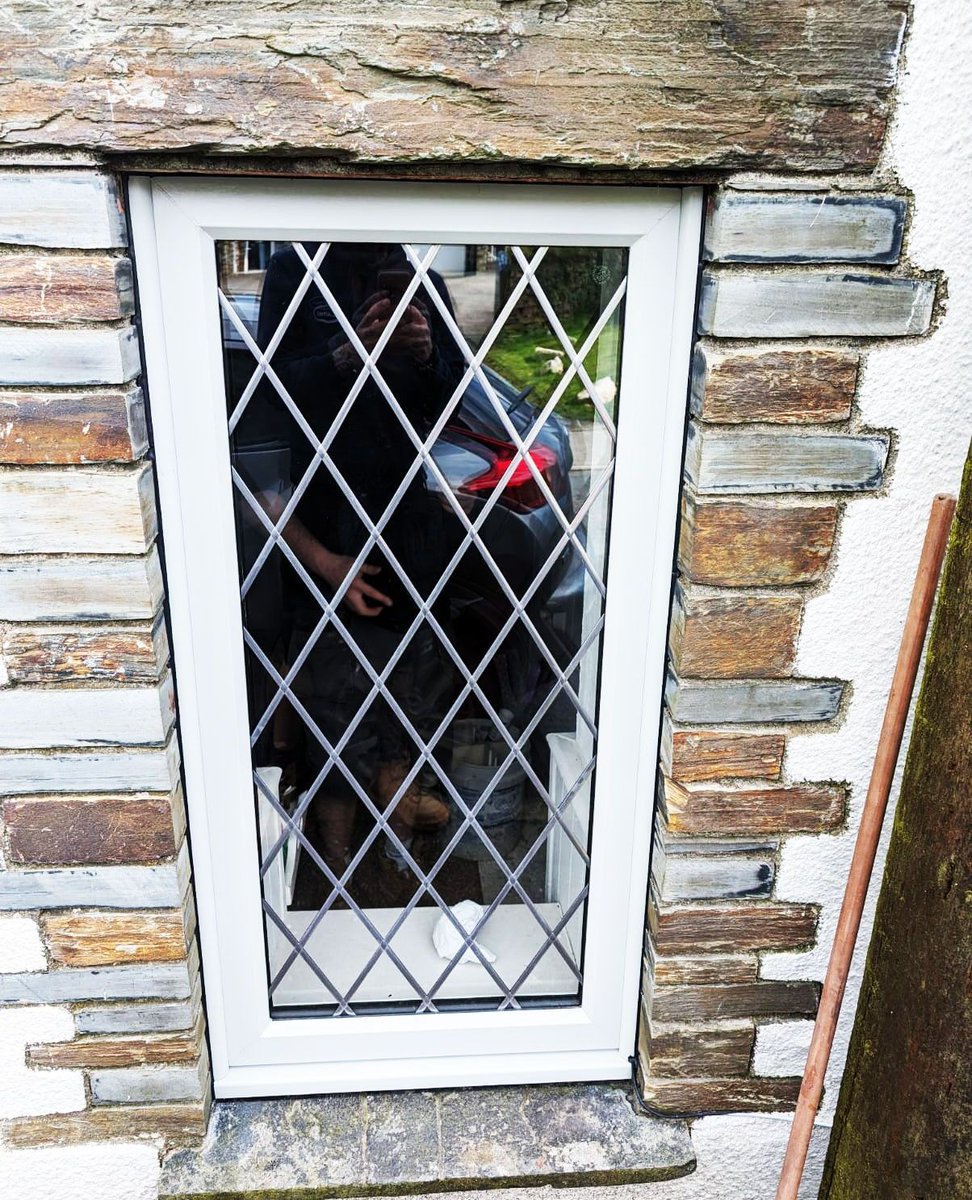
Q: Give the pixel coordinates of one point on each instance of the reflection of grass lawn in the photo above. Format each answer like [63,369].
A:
[514,356]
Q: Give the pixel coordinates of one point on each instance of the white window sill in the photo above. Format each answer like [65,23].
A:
[342,947]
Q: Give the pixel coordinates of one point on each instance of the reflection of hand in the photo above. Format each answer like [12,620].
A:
[360,597]
[371,326]
[412,334]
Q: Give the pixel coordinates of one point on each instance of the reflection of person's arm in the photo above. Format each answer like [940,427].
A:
[360,597]
[310,552]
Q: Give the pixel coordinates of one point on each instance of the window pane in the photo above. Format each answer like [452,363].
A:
[422,444]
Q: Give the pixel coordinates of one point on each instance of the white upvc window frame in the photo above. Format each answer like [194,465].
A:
[175,224]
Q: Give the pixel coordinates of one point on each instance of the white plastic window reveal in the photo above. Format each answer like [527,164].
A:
[418,451]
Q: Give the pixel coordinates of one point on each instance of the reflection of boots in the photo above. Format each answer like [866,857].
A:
[334,817]
[417,808]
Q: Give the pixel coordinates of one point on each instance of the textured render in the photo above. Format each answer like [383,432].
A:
[98,1172]
[23,949]
[644,83]
[881,540]
[781,1048]
[24,1092]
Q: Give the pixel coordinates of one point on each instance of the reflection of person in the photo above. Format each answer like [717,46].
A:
[318,365]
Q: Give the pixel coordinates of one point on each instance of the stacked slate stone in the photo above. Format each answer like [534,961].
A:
[95,857]
[774,451]
[94,849]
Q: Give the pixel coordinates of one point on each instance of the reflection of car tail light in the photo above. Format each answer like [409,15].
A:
[522,491]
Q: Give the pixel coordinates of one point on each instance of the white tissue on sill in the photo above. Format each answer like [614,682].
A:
[446,938]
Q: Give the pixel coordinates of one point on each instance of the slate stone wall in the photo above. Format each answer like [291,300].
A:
[774,453]
[801,274]
[94,853]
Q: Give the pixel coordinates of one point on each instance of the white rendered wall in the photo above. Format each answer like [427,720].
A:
[97,1171]
[106,1171]
[923,391]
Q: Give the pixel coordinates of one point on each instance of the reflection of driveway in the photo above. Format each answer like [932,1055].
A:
[582,452]
[474,299]
[581,444]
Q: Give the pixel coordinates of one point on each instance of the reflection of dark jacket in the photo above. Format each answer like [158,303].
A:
[371,448]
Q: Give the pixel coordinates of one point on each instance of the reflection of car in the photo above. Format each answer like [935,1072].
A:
[521,533]
[475,451]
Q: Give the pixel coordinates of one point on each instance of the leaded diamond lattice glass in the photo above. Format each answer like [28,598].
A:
[422,447]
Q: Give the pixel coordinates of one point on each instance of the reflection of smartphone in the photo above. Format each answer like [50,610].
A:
[394,281]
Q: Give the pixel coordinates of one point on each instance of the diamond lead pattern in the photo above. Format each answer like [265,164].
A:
[422,560]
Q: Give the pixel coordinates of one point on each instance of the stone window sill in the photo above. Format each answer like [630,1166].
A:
[413,1142]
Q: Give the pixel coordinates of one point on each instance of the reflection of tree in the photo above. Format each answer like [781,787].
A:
[577,280]
[230,259]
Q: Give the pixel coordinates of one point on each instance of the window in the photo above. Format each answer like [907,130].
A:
[418,453]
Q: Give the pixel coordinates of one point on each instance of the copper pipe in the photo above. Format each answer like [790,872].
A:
[865,849]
